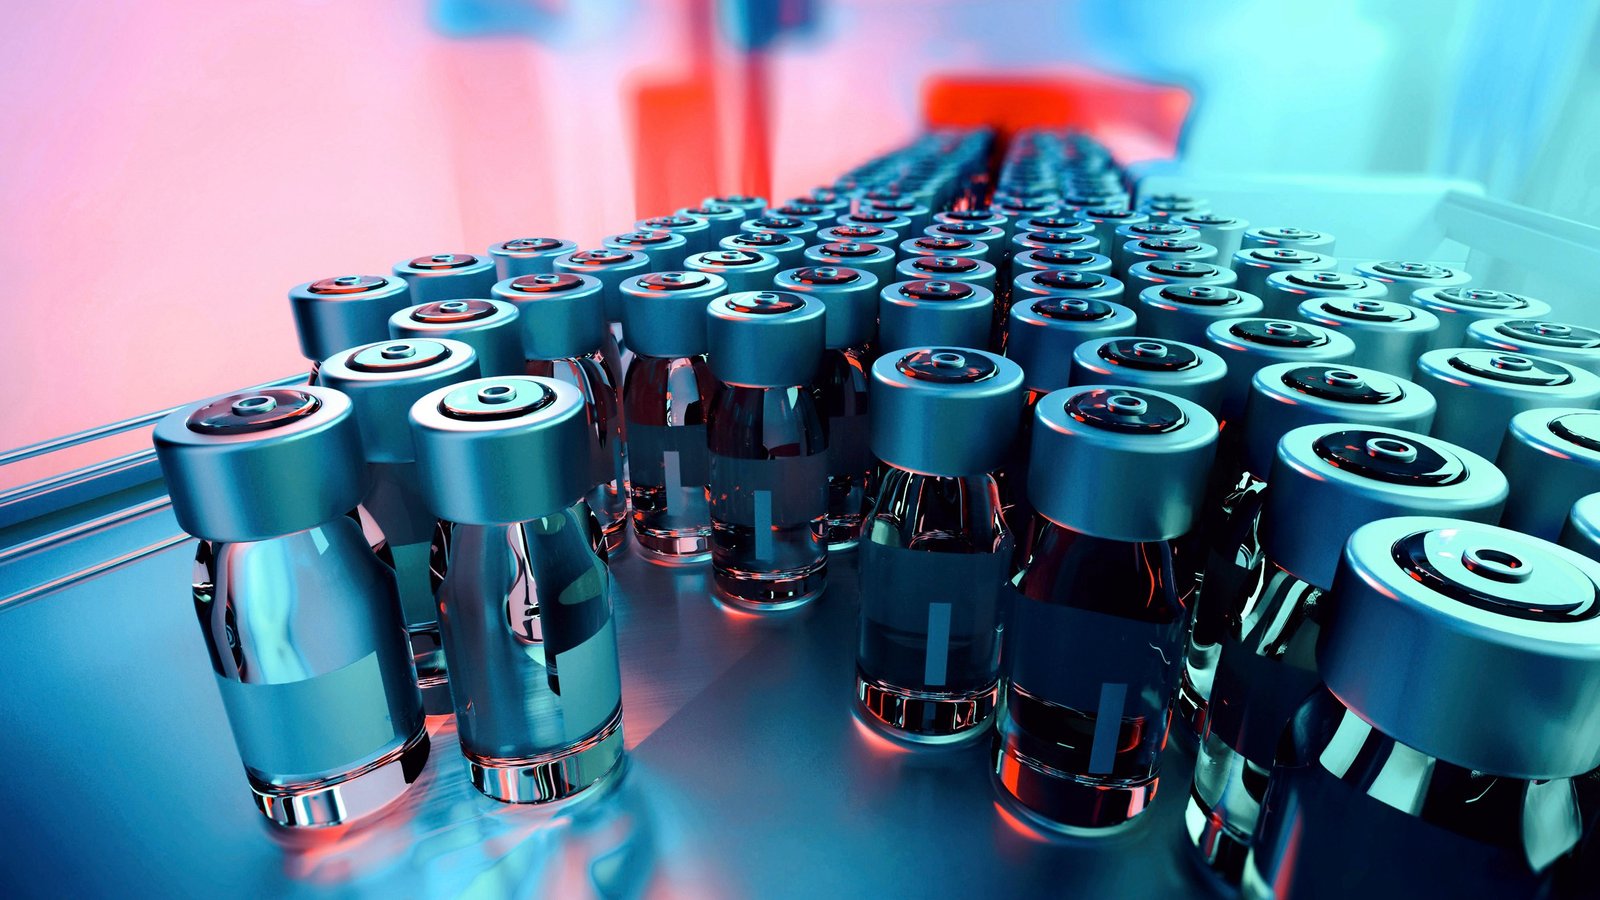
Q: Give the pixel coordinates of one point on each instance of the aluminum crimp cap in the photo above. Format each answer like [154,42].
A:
[1041,334]
[447,276]
[764,339]
[740,270]
[562,315]
[1459,307]
[1480,390]
[335,313]
[1066,283]
[1471,643]
[1389,336]
[926,312]
[1283,292]
[492,327]
[612,266]
[947,268]
[664,313]
[1181,312]
[1120,463]
[262,464]
[1143,275]
[1288,236]
[751,206]
[1402,277]
[1156,228]
[786,247]
[1167,248]
[1331,478]
[946,411]
[1173,367]
[1582,532]
[1285,396]
[1057,258]
[384,379]
[663,247]
[1553,340]
[849,295]
[1054,239]
[1255,264]
[528,256]
[1248,344]
[497,451]
[1552,457]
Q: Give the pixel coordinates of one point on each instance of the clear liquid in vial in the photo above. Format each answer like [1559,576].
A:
[934,554]
[594,377]
[768,491]
[667,402]
[841,395]
[1093,657]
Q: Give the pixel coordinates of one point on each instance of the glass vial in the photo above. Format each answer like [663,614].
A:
[525,602]
[562,316]
[1420,768]
[936,548]
[850,298]
[382,380]
[768,451]
[301,620]
[667,399]
[1094,642]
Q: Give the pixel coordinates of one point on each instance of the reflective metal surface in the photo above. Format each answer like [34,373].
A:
[748,775]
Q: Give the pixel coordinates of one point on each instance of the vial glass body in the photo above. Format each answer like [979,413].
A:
[400,529]
[311,657]
[526,615]
[666,402]
[841,396]
[768,492]
[1350,811]
[934,553]
[594,377]
[1093,658]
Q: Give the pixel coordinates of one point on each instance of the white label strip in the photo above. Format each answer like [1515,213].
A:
[674,479]
[763,524]
[938,651]
[1107,727]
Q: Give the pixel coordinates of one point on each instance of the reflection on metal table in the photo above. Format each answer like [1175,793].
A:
[747,773]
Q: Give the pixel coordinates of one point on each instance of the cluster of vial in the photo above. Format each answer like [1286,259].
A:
[1106,462]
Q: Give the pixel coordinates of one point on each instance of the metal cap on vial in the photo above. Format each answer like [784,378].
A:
[1042,332]
[1255,264]
[1497,630]
[1401,277]
[1480,390]
[609,264]
[1553,340]
[1120,463]
[1289,236]
[497,451]
[849,296]
[1329,479]
[1287,395]
[492,327]
[1248,344]
[1182,312]
[447,276]
[764,338]
[945,410]
[1459,307]
[384,379]
[1173,367]
[262,464]
[1552,457]
[664,313]
[743,270]
[925,312]
[335,313]
[562,315]
[1389,336]
[528,256]
[1284,291]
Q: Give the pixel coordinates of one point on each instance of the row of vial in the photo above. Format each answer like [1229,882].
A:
[762,455]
